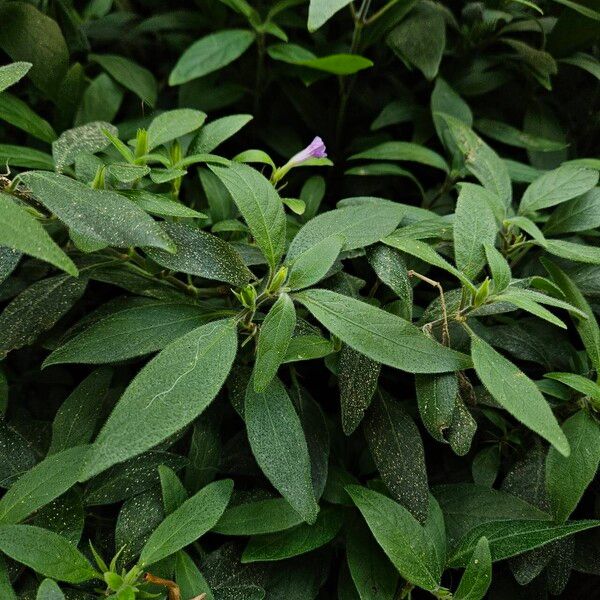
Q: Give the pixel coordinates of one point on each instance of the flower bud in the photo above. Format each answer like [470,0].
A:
[278,280]
[482,293]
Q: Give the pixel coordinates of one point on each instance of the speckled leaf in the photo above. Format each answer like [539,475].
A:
[516,393]
[279,446]
[192,519]
[10,74]
[216,132]
[75,421]
[462,429]
[89,138]
[45,552]
[174,493]
[258,518]
[273,340]
[358,226]
[158,403]
[101,215]
[400,536]
[357,379]
[190,580]
[295,541]
[65,515]
[511,538]
[260,206]
[163,206]
[436,398]
[568,477]
[381,336]
[37,309]
[129,333]
[49,590]
[397,449]
[314,264]
[172,124]
[477,577]
[21,232]
[42,484]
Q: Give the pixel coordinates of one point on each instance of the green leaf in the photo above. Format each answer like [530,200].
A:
[46,552]
[397,449]
[273,341]
[19,230]
[358,226]
[260,206]
[211,53]
[420,39]
[587,328]
[279,446]
[373,574]
[337,64]
[156,204]
[17,113]
[41,484]
[100,215]
[201,253]
[577,382]
[6,589]
[75,421]
[403,151]
[400,536]
[499,267]
[581,9]
[100,101]
[130,332]
[157,402]
[173,124]
[567,478]
[37,309]
[313,265]
[579,214]
[49,590]
[478,574]
[10,74]
[379,335]
[584,61]
[130,75]
[216,132]
[357,380]
[480,159]
[320,11]
[29,158]
[88,138]
[559,185]
[173,492]
[575,252]
[524,302]
[516,393]
[436,398]
[474,227]
[192,519]
[27,34]
[511,538]
[190,580]
[258,518]
[444,99]
[507,134]
[295,541]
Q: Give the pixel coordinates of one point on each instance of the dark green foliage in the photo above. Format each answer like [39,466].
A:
[233,369]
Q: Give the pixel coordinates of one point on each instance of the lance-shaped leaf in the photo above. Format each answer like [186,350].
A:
[101,215]
[10,74]
[273,341]
[279,446]
[567,478]
[192,519]
[397,450]
[477,577]
[516,393]
[203,254]
[46,552]
[6,589]
[20,230]
[166,395]
[314,264]
[400,535]
[260,206]
[41,484]
[380,335]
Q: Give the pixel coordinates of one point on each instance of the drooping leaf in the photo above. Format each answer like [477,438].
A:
[477,577]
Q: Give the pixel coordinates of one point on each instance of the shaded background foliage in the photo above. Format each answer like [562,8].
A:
[526,83]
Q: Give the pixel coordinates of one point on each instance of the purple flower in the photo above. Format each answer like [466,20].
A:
[316,149]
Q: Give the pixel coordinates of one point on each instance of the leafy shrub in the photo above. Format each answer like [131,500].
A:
[235,369]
